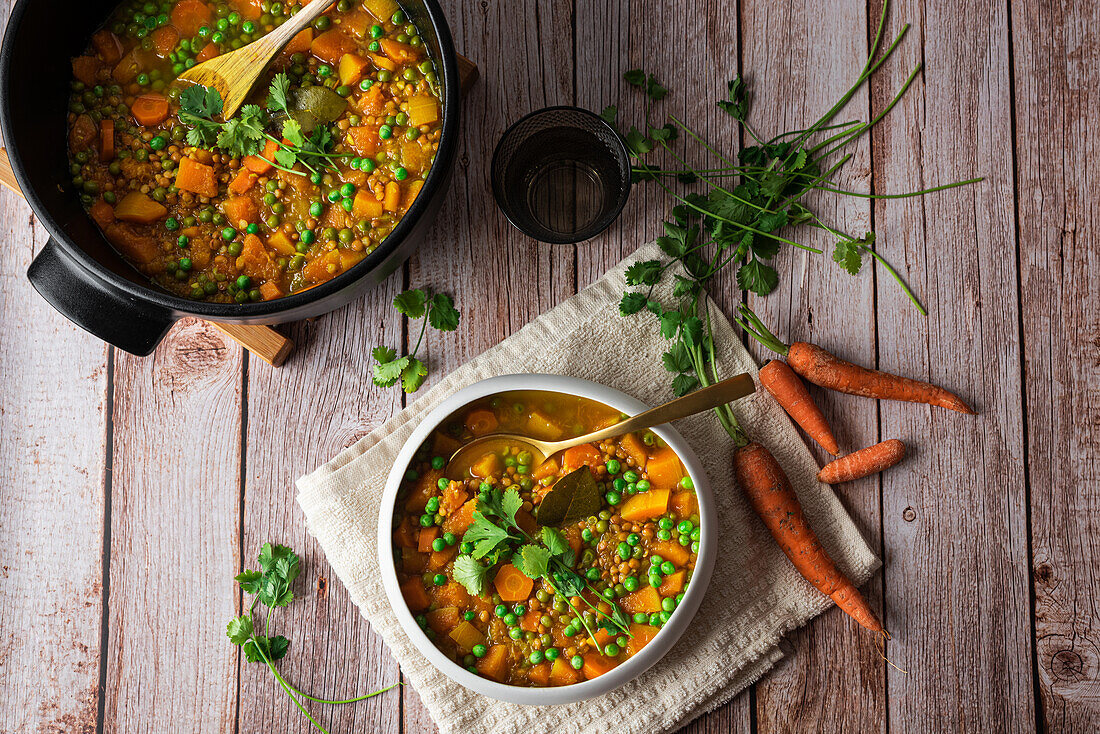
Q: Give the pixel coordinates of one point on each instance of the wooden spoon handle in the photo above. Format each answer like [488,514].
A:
[263,341]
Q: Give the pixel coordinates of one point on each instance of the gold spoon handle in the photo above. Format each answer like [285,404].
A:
[710,397]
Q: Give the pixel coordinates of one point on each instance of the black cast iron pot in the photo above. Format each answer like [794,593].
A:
[77,271]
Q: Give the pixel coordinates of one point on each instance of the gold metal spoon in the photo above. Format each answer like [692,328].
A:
[710,397]
[235,73]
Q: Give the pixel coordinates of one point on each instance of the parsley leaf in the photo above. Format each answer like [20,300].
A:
[239,629]
[757,277]
[438,310]
[644,273]
[278,94]
[632,303]
[635,78]
[848,252]
[413,374]
[411,303]
[484,534]
[443,315]
[386,374]
[737,101]
[471,574]
[609,114]
[532,561]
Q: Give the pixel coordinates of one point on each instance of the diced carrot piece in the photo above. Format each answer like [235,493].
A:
[584,455]
[452,594]
[547,468]
[352,68]
[208,52]
[197,178]
[511,584]
[672,584]
[642,634]
[596,665]
[139,208]
[573,538]
[240,209]
[495,663]
[151,110]
[445,619]
[270,290]
[102,214]
[645,600]
[400,53]
[331,45]
[426,485]
[191,15]
[562,673]
[439,559]
[635,449]
[404,535]
[664,469]
[383,63]
[107,46]
[165,40]
[300,43]
[249,9]
[539,675]
[465,635]
[391,201]
[603,637]
[413,561]
[487,465]
[453,497]
[106,140]
[670,550]
[425,539]
[460,520]
[363,140]
[83,133]
[259,165]
[415,596]
[366,206]
[85,69]
[684,503]
[242,182]
[646,505]
[481,421]
[127,69]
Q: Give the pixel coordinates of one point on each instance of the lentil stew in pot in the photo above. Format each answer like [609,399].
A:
[528,604]
[299,187]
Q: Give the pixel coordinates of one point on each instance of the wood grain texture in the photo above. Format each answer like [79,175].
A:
[799,60]
[1057,106]
[175,525]
[333,654]
[52,453]
[954,519]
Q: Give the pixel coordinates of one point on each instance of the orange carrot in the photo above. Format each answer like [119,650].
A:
[771,495]
[150,109]
[191,15]
[824,369]
[512,584]
[481,421]
[792,395]
[584,455]
[863,463]
[827,370]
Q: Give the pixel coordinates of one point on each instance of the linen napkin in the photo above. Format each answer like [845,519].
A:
[755,595]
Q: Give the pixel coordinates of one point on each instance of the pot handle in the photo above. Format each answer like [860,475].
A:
[95,306]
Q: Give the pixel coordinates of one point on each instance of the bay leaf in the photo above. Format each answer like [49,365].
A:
[573,497]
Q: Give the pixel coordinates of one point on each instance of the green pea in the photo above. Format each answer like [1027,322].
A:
[613,467]
[630,583]
[385,75]
[664,534]
[642,485]
[385,132]
[624,550]
[611,650]
[443,482]
[511,619]
[466,548]
[171,224]
[449,538]
[515,633]
[668,604]
[686,483]
[668,568]
[234,248]
[426,521]
[438,545]
[400,173]
[536,657]
[229,233]
[479,651]
[576,661]
[631,476]
[592,574]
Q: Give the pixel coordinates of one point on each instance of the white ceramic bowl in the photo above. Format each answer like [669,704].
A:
[635,665]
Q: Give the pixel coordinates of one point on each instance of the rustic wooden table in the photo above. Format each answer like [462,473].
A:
[134,489]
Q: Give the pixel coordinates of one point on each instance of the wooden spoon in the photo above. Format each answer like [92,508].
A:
[710,397]
[235,73]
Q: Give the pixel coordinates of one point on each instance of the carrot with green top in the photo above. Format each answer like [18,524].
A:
[863,463]
[791,394]
[827,370]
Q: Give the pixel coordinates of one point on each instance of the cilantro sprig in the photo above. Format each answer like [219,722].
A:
[752,194]
[496,536]
[247,133]
[435,309]
[271,587]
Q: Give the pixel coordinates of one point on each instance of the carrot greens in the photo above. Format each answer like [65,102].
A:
[271,587]
[751,195]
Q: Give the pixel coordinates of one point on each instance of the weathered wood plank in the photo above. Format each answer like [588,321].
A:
[300,416]
[799,59]
[500,279]
[175,535]
[1057,106]
[954,521]
[52,468]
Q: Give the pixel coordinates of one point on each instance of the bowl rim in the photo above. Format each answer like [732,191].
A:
[149,293]
[669,634]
